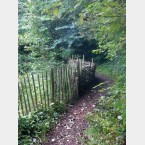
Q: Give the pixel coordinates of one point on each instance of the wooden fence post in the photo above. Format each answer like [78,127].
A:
[27,95]
[35,91]
[20,97]
[59,84]
[31,92]
[64,84]
[40,91]
[26,109]
[43,90]
[47,89]
[52,85]
[56,85]
[61,76]
[78,79]
[67,84]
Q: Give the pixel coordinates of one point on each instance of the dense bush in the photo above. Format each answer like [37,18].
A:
[33,128]
[24,63]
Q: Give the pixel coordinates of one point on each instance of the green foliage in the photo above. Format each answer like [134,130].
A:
[49,31]
[105,21]
[33,128]
[107,124]
[56,57]
[115,68]
[24,63]
[45,25]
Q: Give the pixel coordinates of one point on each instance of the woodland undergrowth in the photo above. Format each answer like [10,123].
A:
[107,123]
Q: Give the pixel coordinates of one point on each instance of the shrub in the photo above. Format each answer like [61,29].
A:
[33,127]
[107,124]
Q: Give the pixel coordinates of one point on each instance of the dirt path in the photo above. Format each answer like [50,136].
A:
[73,123]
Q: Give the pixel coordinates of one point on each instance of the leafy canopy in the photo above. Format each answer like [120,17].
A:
[104,20]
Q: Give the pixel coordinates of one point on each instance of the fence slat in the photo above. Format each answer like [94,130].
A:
[73,80]
[65,84]
[47,94]
[43,90]
[76,80]
[20,97]
[35,91]
[27,95]
[55,84]
[26,109]
[31,93]
[69,83]
[52,85]
[61,86]
[40,90]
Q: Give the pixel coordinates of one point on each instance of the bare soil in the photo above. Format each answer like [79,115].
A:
[73,123]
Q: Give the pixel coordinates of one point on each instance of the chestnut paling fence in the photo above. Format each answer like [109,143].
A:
[59,84]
